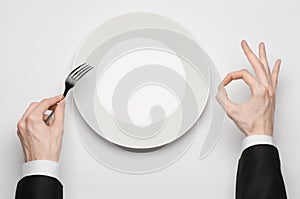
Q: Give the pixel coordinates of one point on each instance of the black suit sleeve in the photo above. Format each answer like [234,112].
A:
[39,187]
[259,174]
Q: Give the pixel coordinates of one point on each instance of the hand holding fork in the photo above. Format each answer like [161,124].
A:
[71,80]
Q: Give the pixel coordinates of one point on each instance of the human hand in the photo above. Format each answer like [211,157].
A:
[255,116]
[41,141]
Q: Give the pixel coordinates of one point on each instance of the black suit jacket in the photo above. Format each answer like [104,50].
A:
[259,174]
[258,177]
[39,187]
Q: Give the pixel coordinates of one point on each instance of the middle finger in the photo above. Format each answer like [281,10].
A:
[256,64]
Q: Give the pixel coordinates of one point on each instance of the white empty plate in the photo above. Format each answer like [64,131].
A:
[149,87]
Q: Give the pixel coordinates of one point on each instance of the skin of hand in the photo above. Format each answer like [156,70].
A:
[256,115]
[41,141]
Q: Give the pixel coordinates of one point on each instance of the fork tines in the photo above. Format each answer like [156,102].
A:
[80,71]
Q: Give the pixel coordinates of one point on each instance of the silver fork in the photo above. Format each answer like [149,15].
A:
[71,80]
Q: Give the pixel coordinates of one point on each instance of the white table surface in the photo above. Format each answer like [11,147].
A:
[38,42]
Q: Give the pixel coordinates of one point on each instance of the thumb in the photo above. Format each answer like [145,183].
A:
[59,114]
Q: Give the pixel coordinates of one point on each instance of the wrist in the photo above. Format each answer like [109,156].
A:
[260,130]
[46,157]
[267,133]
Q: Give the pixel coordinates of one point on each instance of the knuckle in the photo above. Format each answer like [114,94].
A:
[30,119]
[21,125]
[244,71]
[271,93]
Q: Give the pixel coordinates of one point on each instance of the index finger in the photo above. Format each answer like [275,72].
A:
[45,104]
[243,74]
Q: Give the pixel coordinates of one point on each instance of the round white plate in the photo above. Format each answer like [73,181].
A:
[146,90]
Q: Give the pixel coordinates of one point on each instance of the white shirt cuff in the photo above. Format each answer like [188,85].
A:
[256,140]
[42,167]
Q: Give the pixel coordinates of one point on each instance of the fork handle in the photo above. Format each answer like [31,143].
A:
[51,114]
[49,117]
[66,91]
